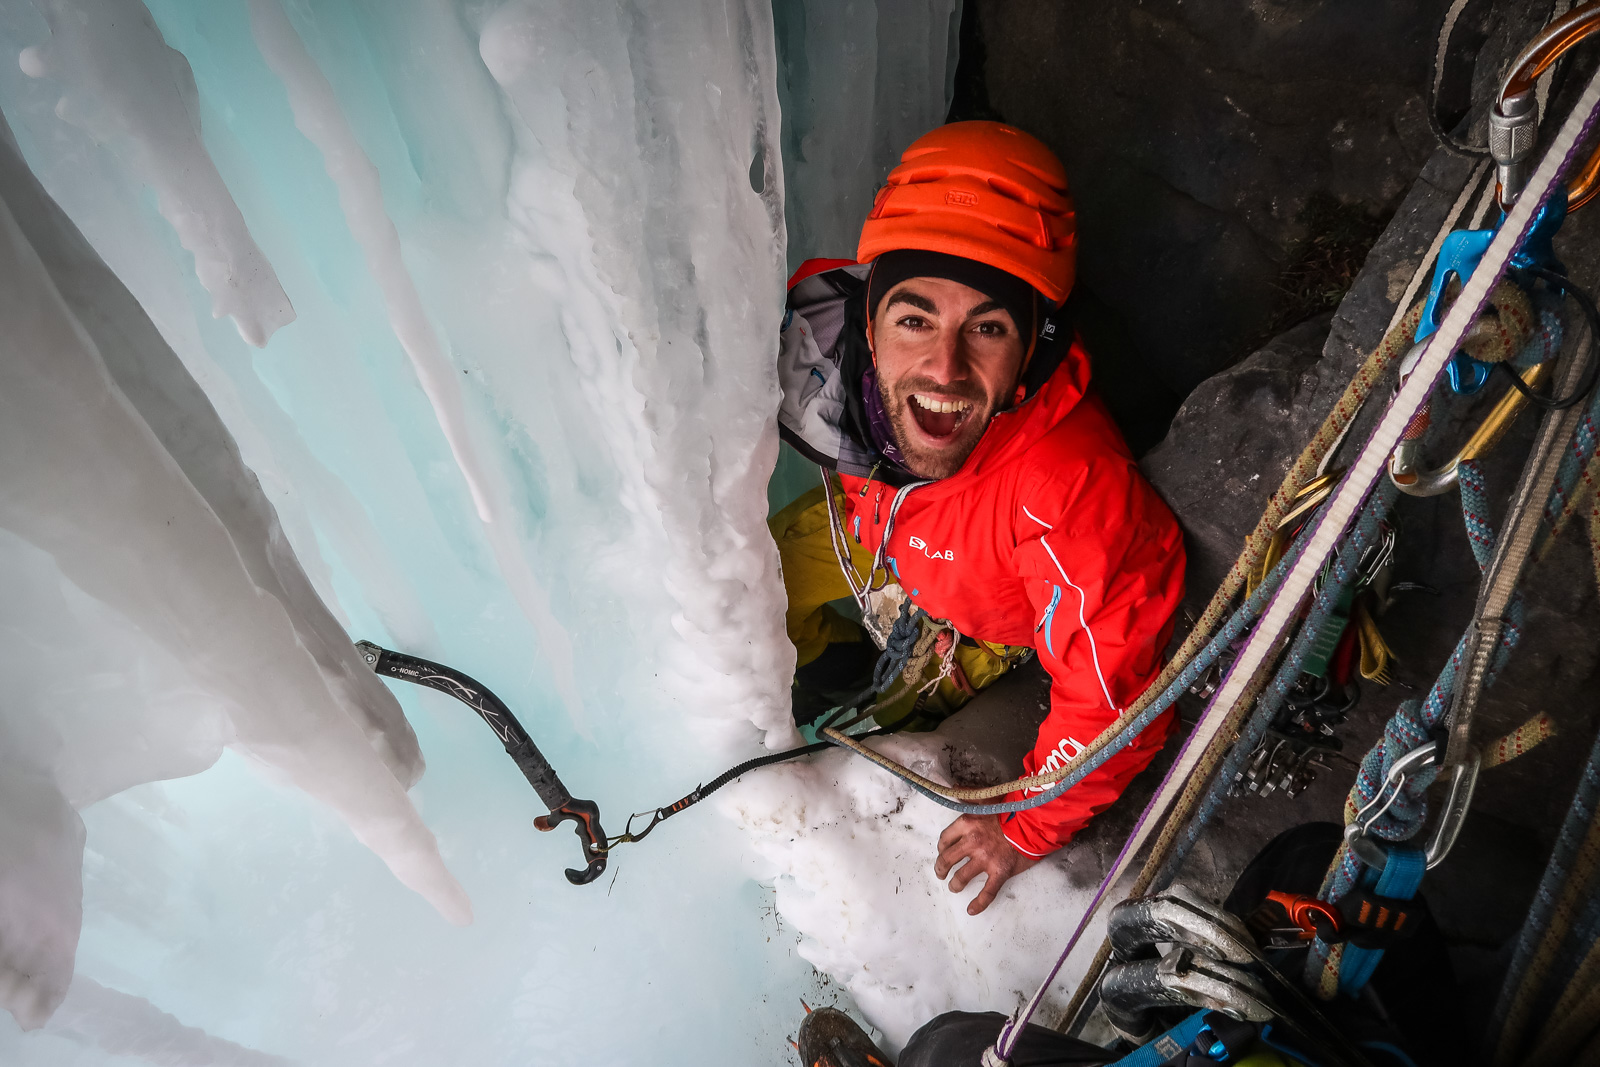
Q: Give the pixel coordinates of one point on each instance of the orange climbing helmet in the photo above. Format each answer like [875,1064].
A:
[983,191]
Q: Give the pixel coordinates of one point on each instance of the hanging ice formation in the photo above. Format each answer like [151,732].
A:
[447,325]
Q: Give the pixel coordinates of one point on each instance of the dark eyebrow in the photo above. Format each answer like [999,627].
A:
[984,308]
[916,300]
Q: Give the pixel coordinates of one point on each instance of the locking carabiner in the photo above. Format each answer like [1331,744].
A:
[1514,119]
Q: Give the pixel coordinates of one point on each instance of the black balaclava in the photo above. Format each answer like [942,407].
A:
[1045,328]
[1010,292]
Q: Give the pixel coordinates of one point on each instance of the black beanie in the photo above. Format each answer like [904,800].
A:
[1010,292]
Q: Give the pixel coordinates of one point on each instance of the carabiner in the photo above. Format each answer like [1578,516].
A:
[1355,833]
[1514,119]
[1463,781]
[1405,465]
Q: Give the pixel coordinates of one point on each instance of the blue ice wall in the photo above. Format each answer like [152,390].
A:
[497,295]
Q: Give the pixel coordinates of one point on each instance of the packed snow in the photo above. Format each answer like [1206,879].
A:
[448,326]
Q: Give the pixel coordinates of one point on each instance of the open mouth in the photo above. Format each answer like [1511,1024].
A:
[939,418]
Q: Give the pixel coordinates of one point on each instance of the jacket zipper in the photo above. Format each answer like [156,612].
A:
[1049,614]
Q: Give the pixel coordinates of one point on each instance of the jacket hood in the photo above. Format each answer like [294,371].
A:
[823,355]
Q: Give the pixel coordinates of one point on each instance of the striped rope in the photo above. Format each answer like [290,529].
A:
[1344,572]
[1408,729]
[1575,846]
[1519,742]
[1594,526]
[1577,474]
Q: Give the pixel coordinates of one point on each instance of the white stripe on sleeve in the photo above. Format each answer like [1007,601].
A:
[1094,651]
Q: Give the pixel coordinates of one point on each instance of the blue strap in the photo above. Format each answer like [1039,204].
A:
[1154,1053]
[1401,876]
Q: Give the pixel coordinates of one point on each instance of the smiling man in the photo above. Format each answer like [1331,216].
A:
[978,476]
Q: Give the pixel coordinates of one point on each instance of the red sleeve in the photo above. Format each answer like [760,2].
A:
[1104,572]
[816,266]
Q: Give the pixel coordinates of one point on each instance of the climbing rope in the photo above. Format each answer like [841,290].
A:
[899,647]
[1081,768]
[1561,890]
[1519,742]
[1483,651]
[1205,746]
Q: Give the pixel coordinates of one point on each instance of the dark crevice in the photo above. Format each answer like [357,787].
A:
[970,100]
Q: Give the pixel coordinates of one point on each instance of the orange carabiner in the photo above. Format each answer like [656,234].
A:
[1514,120]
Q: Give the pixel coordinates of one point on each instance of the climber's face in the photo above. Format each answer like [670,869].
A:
[948,359]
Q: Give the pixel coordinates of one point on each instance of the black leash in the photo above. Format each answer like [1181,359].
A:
[1561,283]
[563,807]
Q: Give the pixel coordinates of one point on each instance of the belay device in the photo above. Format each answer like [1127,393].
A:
[519,746]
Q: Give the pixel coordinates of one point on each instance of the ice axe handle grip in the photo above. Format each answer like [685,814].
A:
[587,815]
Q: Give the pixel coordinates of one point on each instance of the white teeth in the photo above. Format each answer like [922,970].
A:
[943,407]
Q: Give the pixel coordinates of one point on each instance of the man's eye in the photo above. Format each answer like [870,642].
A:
[991,329]
[912,322]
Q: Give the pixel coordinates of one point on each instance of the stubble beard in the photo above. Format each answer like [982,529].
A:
[938,463]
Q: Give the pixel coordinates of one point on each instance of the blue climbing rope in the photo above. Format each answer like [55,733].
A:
[897,649]
[1573,830]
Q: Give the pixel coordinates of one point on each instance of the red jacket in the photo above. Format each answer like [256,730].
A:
[1047,537]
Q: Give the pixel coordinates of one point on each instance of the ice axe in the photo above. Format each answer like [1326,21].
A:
[519,746]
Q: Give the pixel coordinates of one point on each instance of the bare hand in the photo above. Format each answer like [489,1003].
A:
[977,839]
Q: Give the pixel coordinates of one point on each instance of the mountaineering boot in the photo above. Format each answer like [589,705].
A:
[830,1038]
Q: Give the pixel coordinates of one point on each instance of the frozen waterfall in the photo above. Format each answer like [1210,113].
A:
[446,325]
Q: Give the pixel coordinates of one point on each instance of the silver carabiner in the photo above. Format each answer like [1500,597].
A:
[1463,780]
[1355,834]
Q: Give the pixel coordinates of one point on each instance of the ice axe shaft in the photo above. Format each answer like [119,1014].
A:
[518,745]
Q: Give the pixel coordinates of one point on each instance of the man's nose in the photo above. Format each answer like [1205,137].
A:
[946,360]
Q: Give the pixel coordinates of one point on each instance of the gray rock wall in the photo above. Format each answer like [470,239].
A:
[1228,448]
[1196,132]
